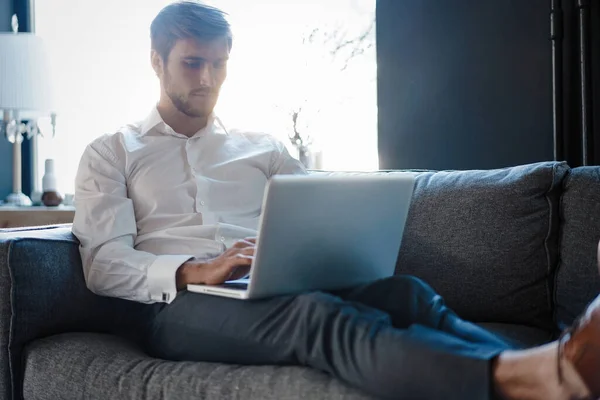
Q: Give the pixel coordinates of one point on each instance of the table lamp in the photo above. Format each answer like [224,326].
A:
[25,94]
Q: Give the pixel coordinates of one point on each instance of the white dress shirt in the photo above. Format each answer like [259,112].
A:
[149,199]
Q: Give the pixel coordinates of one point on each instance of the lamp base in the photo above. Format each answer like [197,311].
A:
[17,199]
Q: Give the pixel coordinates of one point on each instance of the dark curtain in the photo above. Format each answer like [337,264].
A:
[490,83]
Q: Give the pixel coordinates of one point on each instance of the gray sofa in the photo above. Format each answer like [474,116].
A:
[512,249]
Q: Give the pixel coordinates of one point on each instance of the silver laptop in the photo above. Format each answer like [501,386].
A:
[319,232]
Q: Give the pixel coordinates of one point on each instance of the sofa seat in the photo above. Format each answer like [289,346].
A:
[98,366]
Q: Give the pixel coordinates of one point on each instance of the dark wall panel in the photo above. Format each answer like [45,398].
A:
[464,84]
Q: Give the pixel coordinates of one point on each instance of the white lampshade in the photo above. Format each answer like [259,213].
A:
[25,82]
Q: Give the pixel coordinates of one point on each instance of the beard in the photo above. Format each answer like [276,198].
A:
[183,106]
[182,103]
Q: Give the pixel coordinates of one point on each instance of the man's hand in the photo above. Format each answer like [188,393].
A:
[234,263]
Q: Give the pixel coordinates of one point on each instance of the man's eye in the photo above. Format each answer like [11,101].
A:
[194,65]
[220,65]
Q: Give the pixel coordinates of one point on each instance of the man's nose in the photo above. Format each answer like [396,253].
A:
[206,75]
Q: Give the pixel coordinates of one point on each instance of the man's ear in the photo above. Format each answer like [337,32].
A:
[157,63]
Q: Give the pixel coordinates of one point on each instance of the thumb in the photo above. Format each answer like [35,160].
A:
[239,271]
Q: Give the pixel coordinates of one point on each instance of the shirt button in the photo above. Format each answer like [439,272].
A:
[202,203]
[222,239]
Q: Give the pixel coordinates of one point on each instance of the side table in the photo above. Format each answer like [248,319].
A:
[13,217]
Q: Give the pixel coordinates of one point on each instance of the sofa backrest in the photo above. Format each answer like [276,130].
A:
[43,292]
[487,240]
[577,280]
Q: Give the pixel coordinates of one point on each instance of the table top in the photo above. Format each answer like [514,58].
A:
[36,208]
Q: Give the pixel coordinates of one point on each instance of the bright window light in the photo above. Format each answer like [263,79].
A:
[283,60]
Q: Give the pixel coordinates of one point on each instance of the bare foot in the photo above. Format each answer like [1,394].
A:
[533,375]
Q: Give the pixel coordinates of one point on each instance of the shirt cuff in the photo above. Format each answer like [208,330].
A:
[161,277]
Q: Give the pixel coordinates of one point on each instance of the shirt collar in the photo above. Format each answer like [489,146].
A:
[154,120]
[151,121]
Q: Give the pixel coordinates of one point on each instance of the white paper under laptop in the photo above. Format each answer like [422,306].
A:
[321,232]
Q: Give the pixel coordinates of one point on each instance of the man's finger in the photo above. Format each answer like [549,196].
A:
[248,251]
[239,272]
[249,256]
[240,244]
[239,260]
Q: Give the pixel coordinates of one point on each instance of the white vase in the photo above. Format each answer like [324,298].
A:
[50,197]
[49,179]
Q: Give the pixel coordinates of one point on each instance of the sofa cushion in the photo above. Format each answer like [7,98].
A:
[96,366]
[41,272]
[487,240]
[577,280]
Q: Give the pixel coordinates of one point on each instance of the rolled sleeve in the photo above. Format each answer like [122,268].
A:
[161,277]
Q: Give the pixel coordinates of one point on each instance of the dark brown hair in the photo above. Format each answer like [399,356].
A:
[187,19]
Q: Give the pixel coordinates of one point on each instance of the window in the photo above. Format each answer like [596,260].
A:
[313,58]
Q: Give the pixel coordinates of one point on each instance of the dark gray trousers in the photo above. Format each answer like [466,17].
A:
[394,338]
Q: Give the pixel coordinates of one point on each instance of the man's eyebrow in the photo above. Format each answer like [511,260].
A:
[196,58]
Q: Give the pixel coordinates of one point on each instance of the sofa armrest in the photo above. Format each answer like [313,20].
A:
[43,293]
[34,228]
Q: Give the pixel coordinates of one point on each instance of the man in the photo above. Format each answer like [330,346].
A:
[175,199]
